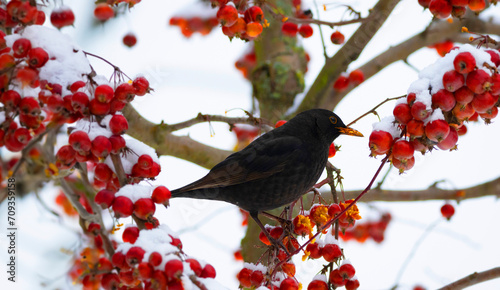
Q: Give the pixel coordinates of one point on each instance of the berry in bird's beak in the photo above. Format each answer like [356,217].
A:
[349,131]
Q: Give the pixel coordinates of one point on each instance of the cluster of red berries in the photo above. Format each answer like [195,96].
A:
[456,8]
[240,20]
[195,24]
[345,80]
[320,214]
[255,276]
[158,267]
[374,230]
[291,29]
[246,63]
[18,12]
[466,86]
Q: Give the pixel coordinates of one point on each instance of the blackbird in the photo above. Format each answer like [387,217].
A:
[276,168]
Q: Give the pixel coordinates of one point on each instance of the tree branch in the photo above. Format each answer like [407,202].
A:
[436,32]
[473,279]
[491,188]
[166,143]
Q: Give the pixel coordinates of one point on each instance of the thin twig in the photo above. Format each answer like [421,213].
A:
[329,173]
[217,118]
[321,32]
[413,251]
[473,279]
[373,111]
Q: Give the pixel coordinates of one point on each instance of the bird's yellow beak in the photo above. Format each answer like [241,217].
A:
[349,131]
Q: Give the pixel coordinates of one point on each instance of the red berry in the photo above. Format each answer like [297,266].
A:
[490,114]
[356,77]
[102,172]
[305,30]
[461,3]
[155,259]
[402,113]
[458,11]
[125,92]
[227,15]
[289,29]
[20,47]
[104,93]
[463,95]
[424,3]
[280,123]
[145,161]
[65,157]
[453,80]
[495,56]
[336,279]
[402,150]
[444,100]
[117,143]
[341,83]
[123,207]
[331,252]
[347,271]
[289,284]
[463,112]
[101,147]
[103,12]
[447,210]
[380,142]
[450,141]
[37,57]
[129,39]
[437,130]
[195,266]
[119,260]
[419,111]
[484,102]
[97,108]
[161,194]
[130,234]
[464,62]
[403,165]
[141,86]
[495,84]
[244,277]
[477,5]
[80,102]
[144,208]
[145,270]
[11,99]
[104,198]
[76,85]
[173,269]
[254,29]
[317,285]
[118,125]
[254,14]
[415,128]
[110,281]
[314,251]
[478,81]
[134,256]
[61,17]
[332,151]
[352,284]
[337,37]
[410,98]
[440,8]
[208,272]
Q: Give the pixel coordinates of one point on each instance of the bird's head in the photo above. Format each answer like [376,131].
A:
[328,124]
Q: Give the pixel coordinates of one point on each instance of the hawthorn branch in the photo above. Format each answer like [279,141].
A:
[473,279]
[491,188]
[437,31]
[165,143]
[251,120]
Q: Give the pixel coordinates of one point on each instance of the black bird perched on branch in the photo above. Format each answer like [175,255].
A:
[276,168]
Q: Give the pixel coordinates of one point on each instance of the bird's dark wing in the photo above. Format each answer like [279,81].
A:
[260,159]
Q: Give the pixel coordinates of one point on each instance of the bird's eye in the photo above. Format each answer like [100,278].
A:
[333,120]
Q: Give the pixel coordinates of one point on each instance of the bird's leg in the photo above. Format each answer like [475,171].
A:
[273,241]
[281,220]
